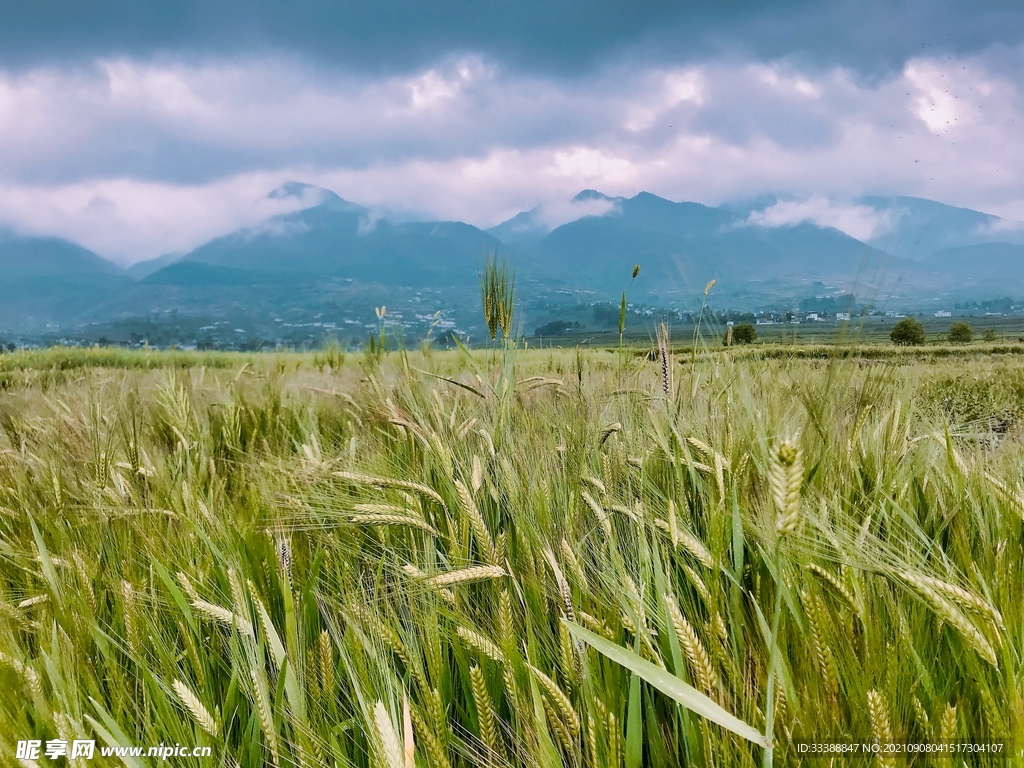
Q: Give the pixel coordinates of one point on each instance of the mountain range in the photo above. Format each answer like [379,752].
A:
[329,263]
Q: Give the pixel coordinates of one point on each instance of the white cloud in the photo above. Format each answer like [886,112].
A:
[777,78]
[1010,228]
[944,98]
[137,158]
[592,164]
[559,212]
[128,220]
[860,221]
[662,92]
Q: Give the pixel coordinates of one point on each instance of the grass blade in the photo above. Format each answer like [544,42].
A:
[670,685]
[634,725]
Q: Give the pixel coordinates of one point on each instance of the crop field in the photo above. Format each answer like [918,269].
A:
[513,557]
[860,330]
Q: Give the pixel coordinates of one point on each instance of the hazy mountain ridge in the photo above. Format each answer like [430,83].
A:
[30,256]
[684,245]
[532,226]
[47,280]
[341,239]
[920,228]
[980,262]
[143,269]
[330,247]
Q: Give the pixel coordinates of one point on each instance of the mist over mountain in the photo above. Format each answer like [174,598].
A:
[325,266]
[143,269]
[917,229]
[339,239]
[530,227]
[684,245]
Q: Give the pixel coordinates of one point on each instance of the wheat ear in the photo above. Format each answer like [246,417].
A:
[948,724]
[392,519]
[261,695]
[561,701]
[32,677]
[476,521]
[666,361]
[390,744]
[880,727]
[482,645]
[602,517]
[817,615]
[476,475]
[700,663]
[435,749]
[326,664]
[960,595]
[953,616]
[224,616]
[388,482]
[785,476]
[465,575]
[834,582]
[484,713]
[199,713]
[130,615]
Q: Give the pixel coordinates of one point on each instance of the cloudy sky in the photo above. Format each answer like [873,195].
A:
[138,129]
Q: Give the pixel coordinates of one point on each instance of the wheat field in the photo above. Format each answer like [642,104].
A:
[509,557]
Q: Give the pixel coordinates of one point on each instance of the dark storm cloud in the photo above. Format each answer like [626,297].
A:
[872,36]
[141,128]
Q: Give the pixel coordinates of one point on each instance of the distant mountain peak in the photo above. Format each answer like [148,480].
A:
[312,196]
[297,189]
[592,194]
[531,226]
[922,227]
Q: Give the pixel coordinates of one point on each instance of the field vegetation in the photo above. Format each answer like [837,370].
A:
[527,558]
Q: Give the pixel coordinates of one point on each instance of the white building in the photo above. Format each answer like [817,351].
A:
[842,315]
[943,313]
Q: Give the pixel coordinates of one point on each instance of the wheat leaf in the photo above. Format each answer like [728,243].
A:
[670,685]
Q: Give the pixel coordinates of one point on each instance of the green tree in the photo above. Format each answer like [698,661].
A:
[744,333]
[908,332]
[989,334]
[961,333]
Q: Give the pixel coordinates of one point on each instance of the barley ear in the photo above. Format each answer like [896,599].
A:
[390,744]
[326,665]
[482,645]
[786,476]
[477,523]
[476,477]
[559,699]
[464,575]
[407,734]
[666,360]
[261,695]
[948,724]
[484,713]
[199,713]
[432,745]
[880,728]
[700,664]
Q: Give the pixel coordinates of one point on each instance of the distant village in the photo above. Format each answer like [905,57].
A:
[415,318]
